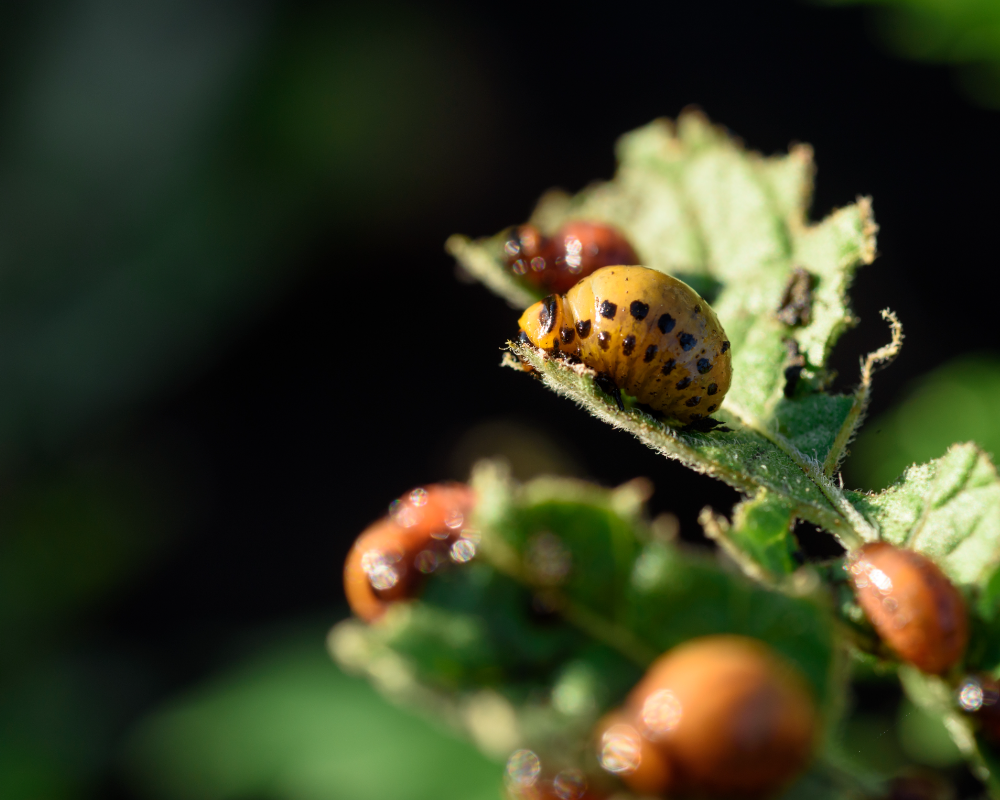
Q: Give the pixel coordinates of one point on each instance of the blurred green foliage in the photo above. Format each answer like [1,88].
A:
[164,170]
[965,33]
[287,725]
[956,402]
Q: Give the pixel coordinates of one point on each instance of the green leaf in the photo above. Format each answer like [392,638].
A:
[948,509]
[759,539]
[615,592]
[944,31]
[732,223]
[936,698]
[749,460]
[287,725]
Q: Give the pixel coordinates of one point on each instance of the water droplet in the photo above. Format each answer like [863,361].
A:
[661,713]
[523,769]
[403,514]
[454,519]
[621,749]
[970,696]
[426,561]
[380,567]
[548,558]
[462,551]
[418,497]
[570,784]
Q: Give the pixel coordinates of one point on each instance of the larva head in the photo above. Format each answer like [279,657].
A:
[542,321]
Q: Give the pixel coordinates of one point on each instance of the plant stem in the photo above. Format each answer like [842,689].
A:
[860,529]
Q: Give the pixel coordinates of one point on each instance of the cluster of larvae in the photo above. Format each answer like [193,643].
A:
[682,730]
[718,716]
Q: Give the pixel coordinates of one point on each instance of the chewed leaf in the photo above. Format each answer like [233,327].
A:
[732,223]
[627,587]
[570,595]
[948,509]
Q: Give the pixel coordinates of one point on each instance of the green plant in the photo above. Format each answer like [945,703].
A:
[573,592]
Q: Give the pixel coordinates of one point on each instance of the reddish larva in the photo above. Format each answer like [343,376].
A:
[913,607]
[390,557]
[556,263]
[720,716]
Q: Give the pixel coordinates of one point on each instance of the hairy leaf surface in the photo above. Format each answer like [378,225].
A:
[732,223]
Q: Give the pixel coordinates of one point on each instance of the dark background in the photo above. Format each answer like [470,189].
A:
[190,458]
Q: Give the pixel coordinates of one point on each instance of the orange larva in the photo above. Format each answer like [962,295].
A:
[642,331]
[389,559]
[719,716]
[576,250]
[914,608]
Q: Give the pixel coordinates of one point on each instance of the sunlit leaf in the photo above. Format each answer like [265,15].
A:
[732,223]
[948,509]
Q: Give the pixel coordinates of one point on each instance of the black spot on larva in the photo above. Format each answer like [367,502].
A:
[697,309]
[608,309]
[704,365]
[712,408]
[687,341]
[639,309]
[650,353]
[683,383]
[547,316]
[604,340]
[583,328]
[693,401]
[608,386]
[566,334]
[668,367]
[725,347]
[628,345]
[713,388]
[666,323]
[696,417]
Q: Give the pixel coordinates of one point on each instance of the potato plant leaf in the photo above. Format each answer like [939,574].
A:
[948,509]
[731,223]
[758,539]
[570,595]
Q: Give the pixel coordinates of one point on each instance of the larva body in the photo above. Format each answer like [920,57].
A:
[912,605]
[644,331]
